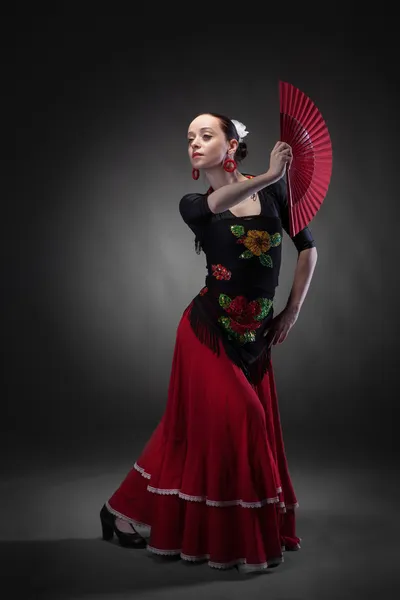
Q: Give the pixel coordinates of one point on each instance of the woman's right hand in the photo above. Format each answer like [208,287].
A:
[281,158]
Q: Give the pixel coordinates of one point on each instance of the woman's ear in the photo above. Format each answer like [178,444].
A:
[233,145]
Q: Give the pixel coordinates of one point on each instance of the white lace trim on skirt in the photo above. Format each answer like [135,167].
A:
[238,502]
[144,530]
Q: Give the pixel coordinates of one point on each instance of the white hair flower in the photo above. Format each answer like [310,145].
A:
[241,129]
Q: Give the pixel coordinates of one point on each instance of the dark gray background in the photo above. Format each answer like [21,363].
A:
[99,266]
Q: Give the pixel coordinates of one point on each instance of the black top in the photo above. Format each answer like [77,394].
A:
[243,264]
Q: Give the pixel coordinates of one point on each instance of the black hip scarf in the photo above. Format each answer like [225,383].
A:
[238,321]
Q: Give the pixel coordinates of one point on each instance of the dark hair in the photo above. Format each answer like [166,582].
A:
[231,133]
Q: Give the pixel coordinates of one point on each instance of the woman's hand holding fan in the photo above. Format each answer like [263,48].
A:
[281,159]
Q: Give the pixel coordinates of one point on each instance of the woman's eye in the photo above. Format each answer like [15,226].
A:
[206,136]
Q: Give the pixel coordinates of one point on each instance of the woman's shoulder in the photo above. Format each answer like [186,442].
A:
[194,206]
[190,198]
[277,190]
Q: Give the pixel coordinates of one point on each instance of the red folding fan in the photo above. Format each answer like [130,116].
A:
[303,128]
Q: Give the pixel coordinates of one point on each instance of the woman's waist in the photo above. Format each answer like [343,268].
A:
[246,312]
[247,288]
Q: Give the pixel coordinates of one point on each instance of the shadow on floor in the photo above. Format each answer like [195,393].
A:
[342,556]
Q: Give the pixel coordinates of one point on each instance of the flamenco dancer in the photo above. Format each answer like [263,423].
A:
[212,482]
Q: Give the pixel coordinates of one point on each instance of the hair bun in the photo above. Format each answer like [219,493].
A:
[241,151]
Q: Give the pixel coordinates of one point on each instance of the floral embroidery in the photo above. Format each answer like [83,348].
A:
[257,243]
[203,291]
[237,230]
[245,317]
[221,272]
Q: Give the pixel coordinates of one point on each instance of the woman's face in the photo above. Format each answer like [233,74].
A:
[207,145]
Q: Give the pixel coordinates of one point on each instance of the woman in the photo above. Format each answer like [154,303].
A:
[212,482]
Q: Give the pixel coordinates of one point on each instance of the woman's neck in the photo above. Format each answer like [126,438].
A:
[218,177]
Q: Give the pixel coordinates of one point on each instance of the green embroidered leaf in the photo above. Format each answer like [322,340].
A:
[225,322]
[224,300]
[246,254]
[266,304]
[237,230]
[249,336]
[276,239]
[266,260]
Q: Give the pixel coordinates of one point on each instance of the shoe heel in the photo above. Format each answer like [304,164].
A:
[107,529]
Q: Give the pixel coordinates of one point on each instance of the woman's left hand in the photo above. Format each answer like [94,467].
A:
[281,325]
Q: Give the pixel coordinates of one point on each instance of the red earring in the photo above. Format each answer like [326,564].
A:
[195,173]
[229,165]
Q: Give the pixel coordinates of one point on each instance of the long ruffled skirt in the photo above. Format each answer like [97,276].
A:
[212,482]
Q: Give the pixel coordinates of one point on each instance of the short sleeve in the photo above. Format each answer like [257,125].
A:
[194,210]
[304,238]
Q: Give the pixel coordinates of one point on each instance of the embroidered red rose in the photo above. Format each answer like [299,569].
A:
[221,272]
[244,312]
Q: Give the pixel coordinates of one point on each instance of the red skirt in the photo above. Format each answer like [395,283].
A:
[212,482]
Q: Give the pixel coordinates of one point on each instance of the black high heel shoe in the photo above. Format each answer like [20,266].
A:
[128,540]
